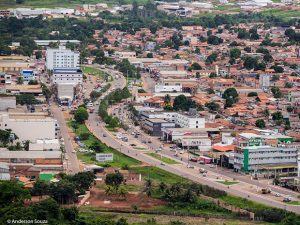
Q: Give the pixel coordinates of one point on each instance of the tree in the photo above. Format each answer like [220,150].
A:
[231,93]
[20,80]
[276,92]
[81,115]
[214,40]
[235,53]
[195,66]
[33,82]
[12,192]
[83,180]
[96,146]
[122,191]
[114,180]
[181,102]
[260,123]
[20,1]
[277,69]
[212,75]
[277,116]
[27,99]
[288,85]
[212,106]
[250,62]
[252,94]
[63,192]
[148,187]
[150,55]
[40,188]
[167,99]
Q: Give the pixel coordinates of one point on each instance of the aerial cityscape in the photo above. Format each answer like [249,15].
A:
[144,112]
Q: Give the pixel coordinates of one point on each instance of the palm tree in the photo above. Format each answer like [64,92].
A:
[148,187]
[122,191]
[162,186]
[109,190]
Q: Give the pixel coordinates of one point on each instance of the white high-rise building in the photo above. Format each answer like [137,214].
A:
[62,58]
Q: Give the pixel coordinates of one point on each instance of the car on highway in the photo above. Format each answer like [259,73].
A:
[104,135]
[201,170]
[190,166]
[287,199]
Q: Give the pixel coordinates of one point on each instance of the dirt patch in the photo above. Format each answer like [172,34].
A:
[100,199]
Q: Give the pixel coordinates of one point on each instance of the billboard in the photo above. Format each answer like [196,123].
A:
[104,157]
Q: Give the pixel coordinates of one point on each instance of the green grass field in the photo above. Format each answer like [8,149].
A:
[120,160]
[162,158]
[158,175]
[228,182]
[58,3]
[94,71]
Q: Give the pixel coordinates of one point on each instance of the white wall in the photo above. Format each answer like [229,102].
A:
[168,88]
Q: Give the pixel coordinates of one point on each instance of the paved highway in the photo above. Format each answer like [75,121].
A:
[72,164]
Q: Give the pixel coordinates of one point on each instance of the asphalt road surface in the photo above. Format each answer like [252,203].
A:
[72,164]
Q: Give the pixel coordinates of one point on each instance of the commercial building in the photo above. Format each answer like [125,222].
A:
[27,75]
[251,139]
[45,145]
[189,121]
[62,58]
[67,76]
[65,93]
[154,126]
[259,159]
[168,88]
[29,126]
[31,163]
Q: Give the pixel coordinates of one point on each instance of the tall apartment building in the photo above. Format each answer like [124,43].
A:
[62,58]
[30,126]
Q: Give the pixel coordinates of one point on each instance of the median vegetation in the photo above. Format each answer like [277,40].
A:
[114,97]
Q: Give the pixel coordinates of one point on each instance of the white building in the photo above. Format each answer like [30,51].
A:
[264,81]
[45,145]
[67,76]
[29,126]
[62,58]
[259,158]
[65,93]
[61,42]
[188,121]
[168,88]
